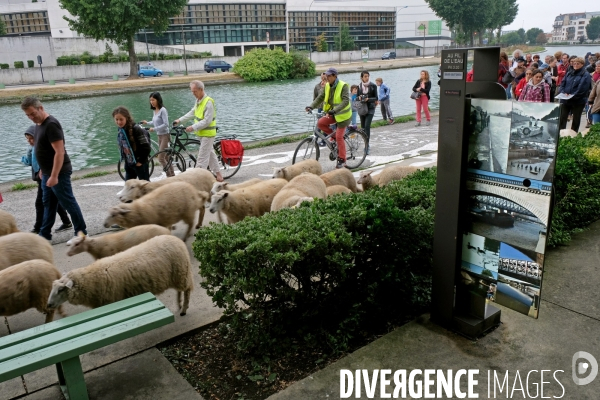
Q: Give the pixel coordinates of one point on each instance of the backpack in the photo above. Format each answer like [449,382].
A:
[232,152]
[146,132]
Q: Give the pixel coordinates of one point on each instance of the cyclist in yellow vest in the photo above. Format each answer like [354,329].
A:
[204,113]
[336,103]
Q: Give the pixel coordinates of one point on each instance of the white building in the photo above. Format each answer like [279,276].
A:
[571,27]
[230,27]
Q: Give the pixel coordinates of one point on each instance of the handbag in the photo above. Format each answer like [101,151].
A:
[415,95]
[361,107]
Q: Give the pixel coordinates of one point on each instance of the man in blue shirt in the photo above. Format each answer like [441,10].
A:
[384,100]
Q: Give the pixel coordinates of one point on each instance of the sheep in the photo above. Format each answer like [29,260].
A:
[337,189]
[111,244]
[156,265]
[23,246]
[218,186]
[342,177]
[252,201]
[387,175]
[291,171]
[199,178]
[27,285]
[8,224]
[297,190]
[165,206]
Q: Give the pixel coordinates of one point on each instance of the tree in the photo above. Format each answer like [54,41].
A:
[521,33]
[465,17]
[532,34]
[321,43]
[120,20]
[2,27]
[541,38]
[581,39]
[343,41]
[511,39]
[504,13]
[593,28]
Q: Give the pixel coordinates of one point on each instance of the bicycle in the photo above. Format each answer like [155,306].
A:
[121,164]
[182,154]
[356,145]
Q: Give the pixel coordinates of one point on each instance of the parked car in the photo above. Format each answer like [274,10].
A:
[212,65]
[149,71]
[390,55]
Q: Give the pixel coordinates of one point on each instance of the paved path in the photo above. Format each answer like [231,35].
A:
[412,145]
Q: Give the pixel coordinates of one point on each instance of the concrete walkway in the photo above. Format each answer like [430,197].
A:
[399,142]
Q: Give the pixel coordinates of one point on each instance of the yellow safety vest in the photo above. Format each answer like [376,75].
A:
[211,129]
[344,114]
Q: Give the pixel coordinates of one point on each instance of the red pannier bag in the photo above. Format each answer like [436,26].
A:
[232,152]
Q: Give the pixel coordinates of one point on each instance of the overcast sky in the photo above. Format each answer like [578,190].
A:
[534,14]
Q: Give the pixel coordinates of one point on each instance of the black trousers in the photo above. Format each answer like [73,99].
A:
[39,209]
[565,110]
[365,123]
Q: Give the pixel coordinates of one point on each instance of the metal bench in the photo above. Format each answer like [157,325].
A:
[62,342]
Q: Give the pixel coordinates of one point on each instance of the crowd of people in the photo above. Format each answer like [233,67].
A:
[570,79]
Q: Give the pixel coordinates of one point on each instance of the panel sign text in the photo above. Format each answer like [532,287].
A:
[453,62]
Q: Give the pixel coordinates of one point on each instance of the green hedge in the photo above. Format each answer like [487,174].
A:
[30,63]
[576,185]
[4,66]
[322,271]
[267,65]
[19,64]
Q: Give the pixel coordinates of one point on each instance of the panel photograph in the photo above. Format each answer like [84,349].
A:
[516,294]
[480,256]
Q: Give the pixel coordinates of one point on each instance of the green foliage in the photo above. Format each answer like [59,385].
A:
[532,34]
[321,43]
[120,20]
[4,66]
[75,62]
[511,39]
[522,35]
[206,53]
[593,29]
[23,186]
[108,51]
[2,27]
[30,64]
[324,270]
[19,64]
[268,65]
[505,12]
[343,40]
[577,185]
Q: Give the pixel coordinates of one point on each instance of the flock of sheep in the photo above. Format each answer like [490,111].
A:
[145,257]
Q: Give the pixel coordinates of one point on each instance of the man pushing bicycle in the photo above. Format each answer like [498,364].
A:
[336,103]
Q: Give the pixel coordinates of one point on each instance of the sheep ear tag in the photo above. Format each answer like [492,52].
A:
[69,284]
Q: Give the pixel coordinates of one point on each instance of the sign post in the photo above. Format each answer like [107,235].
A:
[364,54]
[39,60]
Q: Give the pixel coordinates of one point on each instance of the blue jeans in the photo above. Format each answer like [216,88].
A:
[63,194]
[142,172]
[354,114]
[508,91]
[596,118]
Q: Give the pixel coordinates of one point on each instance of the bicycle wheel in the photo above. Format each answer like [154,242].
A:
[308,149]
[189,151]
[172,159]
[226,168]
[356,146]
[121,168]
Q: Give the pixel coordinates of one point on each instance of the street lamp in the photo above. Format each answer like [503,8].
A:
[398,9]
[309,46]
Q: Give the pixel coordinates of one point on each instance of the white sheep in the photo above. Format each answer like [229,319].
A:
[337,189]
[299,189]
[291,171]
[252,201]
[387,175]
[23,246]
[218,186]
[165,206]
[28,285]
[8,224]
[199,178]
[156,265]
[342,177]
[113,243]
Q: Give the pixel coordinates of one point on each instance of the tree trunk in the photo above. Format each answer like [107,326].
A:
[471,37]
[499,33]
[133,71]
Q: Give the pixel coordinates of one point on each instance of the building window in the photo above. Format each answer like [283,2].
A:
[26,23]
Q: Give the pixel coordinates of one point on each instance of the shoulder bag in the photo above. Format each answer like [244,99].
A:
[415,95]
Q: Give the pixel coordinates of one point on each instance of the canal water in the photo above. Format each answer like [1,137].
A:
[249,110]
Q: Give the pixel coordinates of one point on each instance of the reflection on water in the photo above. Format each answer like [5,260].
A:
[250,110]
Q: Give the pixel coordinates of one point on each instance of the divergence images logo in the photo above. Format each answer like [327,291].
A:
[583,363]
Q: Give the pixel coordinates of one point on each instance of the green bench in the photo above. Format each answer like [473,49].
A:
[62,342]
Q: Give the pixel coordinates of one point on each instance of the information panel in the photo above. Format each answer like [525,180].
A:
[511,158]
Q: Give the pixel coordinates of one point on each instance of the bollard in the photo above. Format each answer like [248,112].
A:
[115,77]
[71,80]
[2,86]
[51,82]
[171,74]
[185,73]
[218,69]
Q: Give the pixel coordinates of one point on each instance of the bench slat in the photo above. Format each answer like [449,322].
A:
[83,344]
[77,319]
[50,339]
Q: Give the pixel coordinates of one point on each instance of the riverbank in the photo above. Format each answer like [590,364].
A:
[61,91]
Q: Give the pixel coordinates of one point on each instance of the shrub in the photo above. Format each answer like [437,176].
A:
[113,59]
[161,56]
[95,61]
[302,67]
[30,63]
[123,57]
[576,185]
[267,65]
[4,66]
[142,57]
[103,58]
[325,270]
[19,64]
[206,54]
[75,62]
[177,56]
[108,52]
[87,59]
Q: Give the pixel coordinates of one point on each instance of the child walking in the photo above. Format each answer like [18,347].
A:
[353,96]
[133,145]
[29,160]
[384,101]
